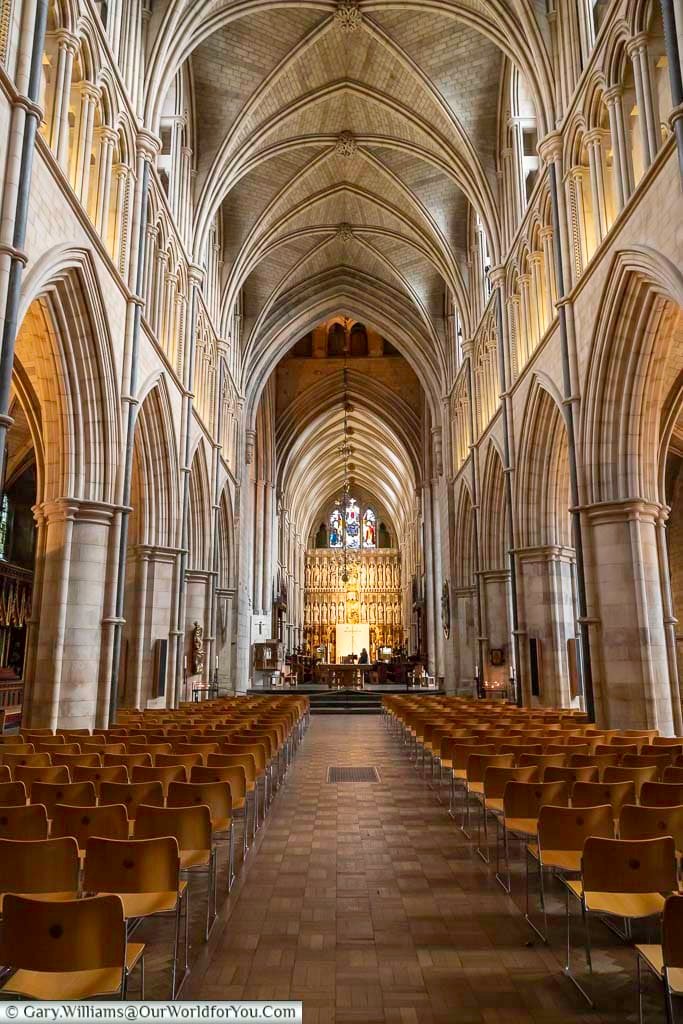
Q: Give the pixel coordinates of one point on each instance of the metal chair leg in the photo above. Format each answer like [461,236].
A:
[567,967]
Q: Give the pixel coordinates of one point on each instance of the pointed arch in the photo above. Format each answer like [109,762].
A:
[199,531]
[543,474]
[156,496]
[493,519]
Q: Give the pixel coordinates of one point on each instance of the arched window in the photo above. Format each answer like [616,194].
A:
[352,524]
[346,528]
[4,526]
[369,529]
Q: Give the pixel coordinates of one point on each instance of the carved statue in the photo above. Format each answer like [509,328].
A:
[397,613]
[316,576]
[307,615]
[380,611]
[316,613]
[341,616]
[197,662]
[380,575]
[373,612]
[363,612]
[371,576]
[323,612]
[307,577]
[333,576]
[363,576]
[333,612]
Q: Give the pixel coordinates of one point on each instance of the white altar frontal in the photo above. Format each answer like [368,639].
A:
[352,638]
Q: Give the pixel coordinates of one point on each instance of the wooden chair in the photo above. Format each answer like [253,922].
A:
[145,874]
[217,796]
[12,794]
[522,803]
[149,748]
[601,760]
[196,748]
[234,776]
[586,773]
[57,748]
[638,776]
[14,761]
[76,949]
[188,761]
[129,761]
[165,774]
[77,760]
[108,773]
[661,794]
[16,748]
[496,779]
[75,794]
[665,960]
[561,833]
[659,761]
[673,774]
[594,794]
[651,822]
[623,878]
[247,763]
[108,822]
[45,867]
[191,827]
[131,795]
[28,774]
[23,822]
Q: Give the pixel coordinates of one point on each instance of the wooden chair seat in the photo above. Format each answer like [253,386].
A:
[621,904]
[61,897]
[54,986]
[654,957]
[194,859]
[145,904]
[561,860]
[522,826]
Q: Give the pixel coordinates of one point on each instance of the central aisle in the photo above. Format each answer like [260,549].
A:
[365,901]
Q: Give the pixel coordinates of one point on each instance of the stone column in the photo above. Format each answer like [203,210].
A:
[67,45]
[259,486]
[106,141]
[637,51]
[634,681]
[268,527]
[623,173]
[67,688]
[83,151]
[593,140]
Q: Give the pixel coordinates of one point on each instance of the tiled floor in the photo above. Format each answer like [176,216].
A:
[366,902]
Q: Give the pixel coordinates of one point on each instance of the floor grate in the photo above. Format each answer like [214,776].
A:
[355,773]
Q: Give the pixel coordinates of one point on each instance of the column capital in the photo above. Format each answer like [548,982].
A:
[623,510]
[637,43]
[195,274]
[613,94]
[148,146]
[106,134]
[550,149]
[497,275]
[66,40]
[89,91]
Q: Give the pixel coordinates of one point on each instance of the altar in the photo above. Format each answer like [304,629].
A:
[352,637]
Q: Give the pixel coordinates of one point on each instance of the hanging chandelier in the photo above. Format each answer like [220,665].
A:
[344,449]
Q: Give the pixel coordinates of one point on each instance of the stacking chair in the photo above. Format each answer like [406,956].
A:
[191,827]
[16,748]
[561,833]
[12,794]
[92,746]
[188,761]
[637,775]
[665,961]
[477,766]
[623,878]
[248,765]
[660,761]
[542,761]
[76,949]
[108,822]
[45,868]
[77,760]
[586,773]
[235,777]
[75,794]
[132,795]
[57,748]
[145,874]
[149,748]
[165,774]
[108,773]
[197,748]
[650,822]
[661,794]
[673,774]
[522,803]
[14,761]
[659,750]
[23,822]
[594,794]
[458,755]
[601,760]
[217,796]
[28,774]
[496,779]
[129,761]
[5,774]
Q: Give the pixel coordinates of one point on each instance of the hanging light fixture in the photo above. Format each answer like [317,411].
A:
[345,450]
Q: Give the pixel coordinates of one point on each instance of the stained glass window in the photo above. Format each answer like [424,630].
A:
[336,529]
[369,529]
[352,524]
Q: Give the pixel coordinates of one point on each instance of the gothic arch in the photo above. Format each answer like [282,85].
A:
[493,520]
[543,472]
[463,546]
[636,354]
[155,477]
[199,525]
[64,347]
